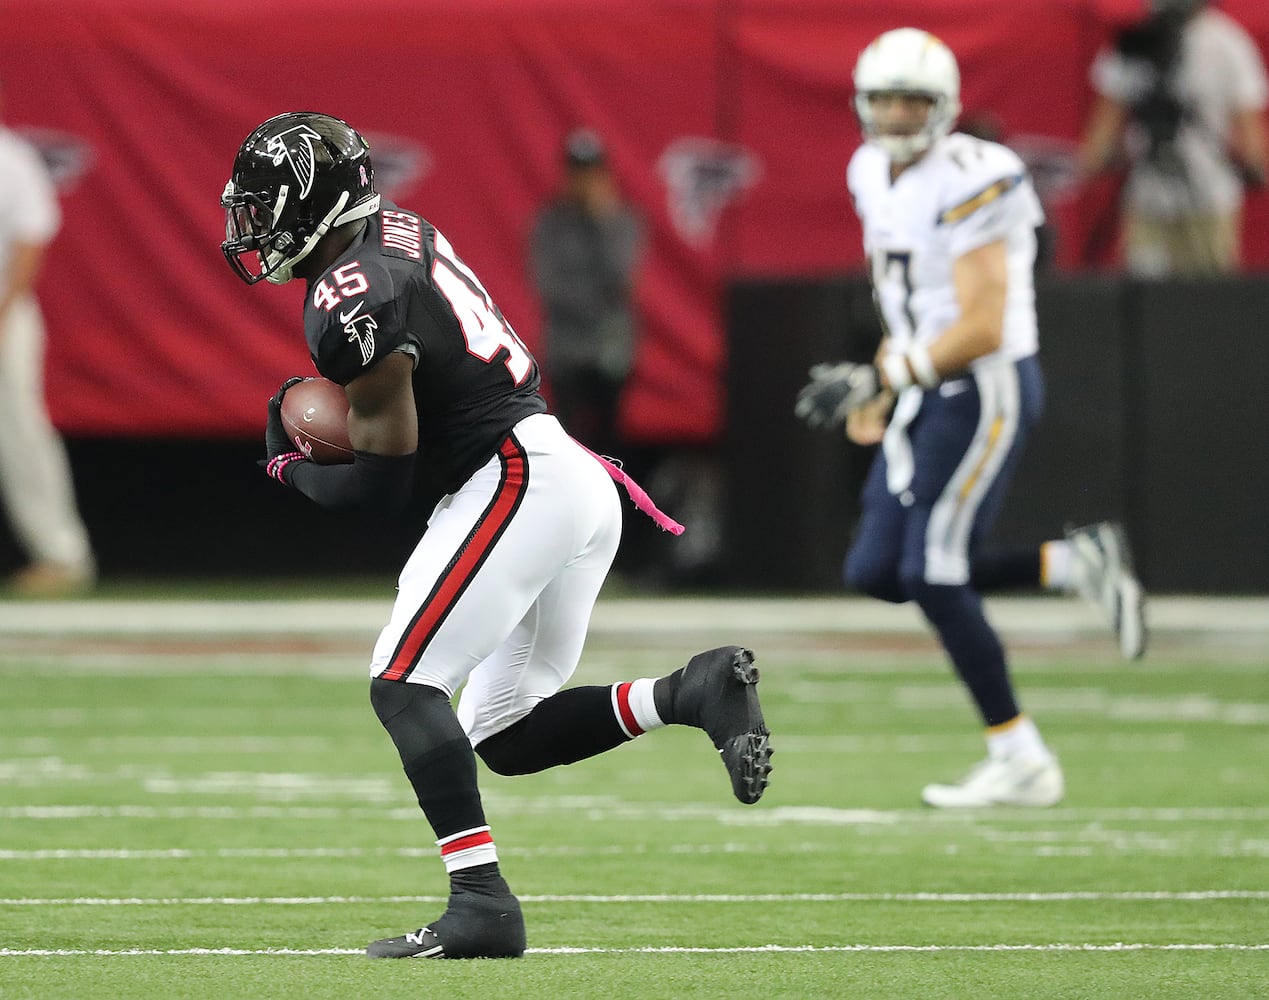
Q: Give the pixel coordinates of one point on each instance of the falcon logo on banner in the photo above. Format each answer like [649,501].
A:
[67,156]
[1053,164]
[400,163]
[702,177]
[295,145]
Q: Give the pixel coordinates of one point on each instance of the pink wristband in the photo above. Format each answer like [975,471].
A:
[280,462]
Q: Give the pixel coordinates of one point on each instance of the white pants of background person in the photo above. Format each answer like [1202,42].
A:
[35,480]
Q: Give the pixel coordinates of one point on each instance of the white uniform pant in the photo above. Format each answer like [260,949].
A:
[500,589]
[35,479]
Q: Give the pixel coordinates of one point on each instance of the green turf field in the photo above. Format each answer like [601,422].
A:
[190,814]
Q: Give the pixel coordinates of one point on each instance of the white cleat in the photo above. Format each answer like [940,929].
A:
[1002,781]
[1103,576]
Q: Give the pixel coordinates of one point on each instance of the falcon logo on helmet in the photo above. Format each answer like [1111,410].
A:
[296,177]
[301,157]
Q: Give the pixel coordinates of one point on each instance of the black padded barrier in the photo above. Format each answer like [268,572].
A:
[1156,415]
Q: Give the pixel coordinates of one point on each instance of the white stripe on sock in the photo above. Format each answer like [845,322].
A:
[482,854]
[642,704]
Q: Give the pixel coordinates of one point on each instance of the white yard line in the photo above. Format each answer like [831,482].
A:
[274,853]
[1082,841]
[891,743]
[1085,702]
[606,808]
[924,743]
[851,658]
[1230,618]
[1119,946]
[773,897]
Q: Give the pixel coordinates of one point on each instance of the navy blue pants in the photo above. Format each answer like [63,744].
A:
[931,497]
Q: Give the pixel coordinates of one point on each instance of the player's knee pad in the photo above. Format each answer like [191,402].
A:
[417,717]
[390,698]
[435,753]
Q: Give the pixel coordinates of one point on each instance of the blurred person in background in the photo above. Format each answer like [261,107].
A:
[584,252]
[1180,105]
[35,477]
[949,225]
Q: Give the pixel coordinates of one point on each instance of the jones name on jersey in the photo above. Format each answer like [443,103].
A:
[401,287]
[963,194]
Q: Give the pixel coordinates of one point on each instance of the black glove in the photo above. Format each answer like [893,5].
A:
[276,440]
[835,390]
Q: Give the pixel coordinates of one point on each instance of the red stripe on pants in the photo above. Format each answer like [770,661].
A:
[451,586]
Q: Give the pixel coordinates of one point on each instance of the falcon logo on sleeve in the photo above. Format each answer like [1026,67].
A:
[295,146]
[360,329]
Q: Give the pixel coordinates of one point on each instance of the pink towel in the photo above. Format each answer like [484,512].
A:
[637,493]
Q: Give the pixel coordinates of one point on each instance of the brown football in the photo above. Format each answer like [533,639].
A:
[315,417]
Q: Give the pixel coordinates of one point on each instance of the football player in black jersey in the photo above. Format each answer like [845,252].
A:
[496,597]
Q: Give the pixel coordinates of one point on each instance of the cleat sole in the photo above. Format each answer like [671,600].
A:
[748,761]
[751,751]
[744,668]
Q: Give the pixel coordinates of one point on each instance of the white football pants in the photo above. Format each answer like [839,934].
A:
[35,478]
[500,589]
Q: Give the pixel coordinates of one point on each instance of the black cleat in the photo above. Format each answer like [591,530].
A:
[474,925]
[718,692]
[422,943]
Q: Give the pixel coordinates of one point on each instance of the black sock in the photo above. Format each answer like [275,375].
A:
[435,753]
[1012,568]
[567,727]
[973,647]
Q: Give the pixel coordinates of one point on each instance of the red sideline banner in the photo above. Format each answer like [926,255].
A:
[729,123]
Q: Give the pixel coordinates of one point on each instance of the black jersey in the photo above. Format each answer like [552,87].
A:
[401,287]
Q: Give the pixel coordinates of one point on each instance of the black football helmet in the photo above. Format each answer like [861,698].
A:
[295,177]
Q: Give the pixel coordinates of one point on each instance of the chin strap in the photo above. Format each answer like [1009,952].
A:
[281,274]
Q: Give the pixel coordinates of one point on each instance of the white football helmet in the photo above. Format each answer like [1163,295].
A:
[908,61]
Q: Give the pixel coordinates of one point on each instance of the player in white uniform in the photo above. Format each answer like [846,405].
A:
[949,229]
